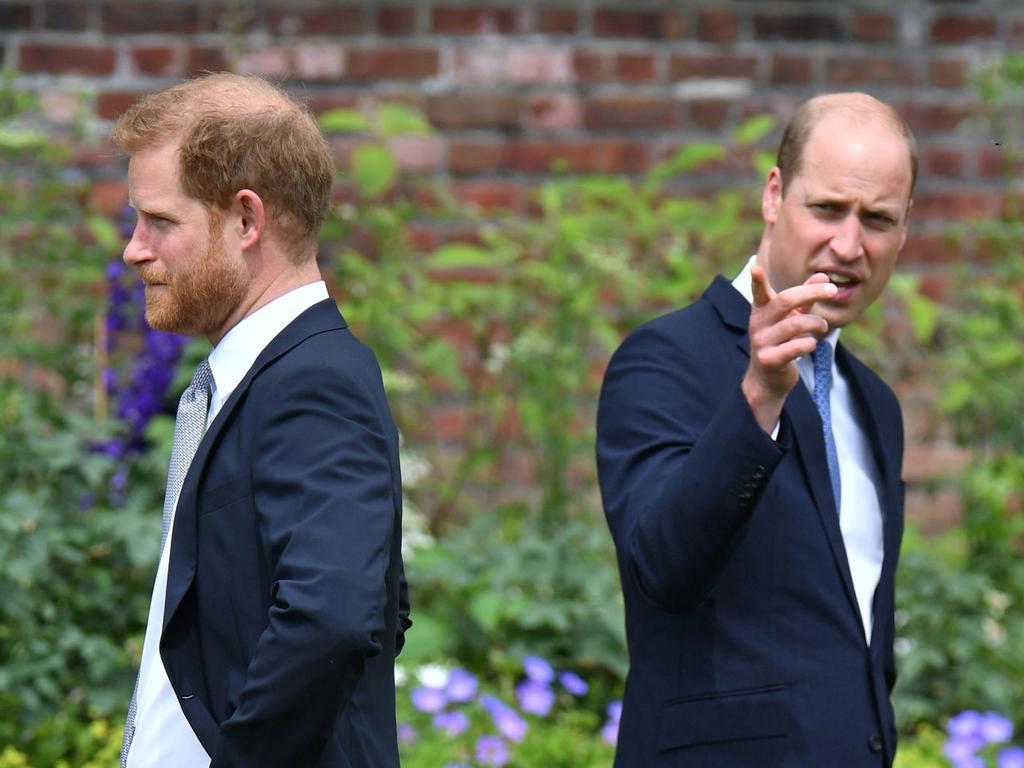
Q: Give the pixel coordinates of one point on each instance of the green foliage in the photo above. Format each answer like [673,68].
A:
[922,750]
[77,539]
[500,582]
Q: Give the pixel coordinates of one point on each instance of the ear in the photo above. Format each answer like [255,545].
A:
[250,218]
[906,219]
[771,198]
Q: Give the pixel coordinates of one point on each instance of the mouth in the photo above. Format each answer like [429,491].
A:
[843,281]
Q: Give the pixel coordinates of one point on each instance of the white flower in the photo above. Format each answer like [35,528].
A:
[903,646]
[433,675]
[401,676]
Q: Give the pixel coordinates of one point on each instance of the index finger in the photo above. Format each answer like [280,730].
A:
[762,292]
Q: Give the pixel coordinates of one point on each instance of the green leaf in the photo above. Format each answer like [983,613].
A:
[374,170]
[401,120]
[456,255]
[341,120]
[103,231]
[486,608]
[753,130]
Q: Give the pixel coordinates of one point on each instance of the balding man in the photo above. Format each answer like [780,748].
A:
[279,603]
[750,472]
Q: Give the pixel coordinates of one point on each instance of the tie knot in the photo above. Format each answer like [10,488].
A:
[202,377]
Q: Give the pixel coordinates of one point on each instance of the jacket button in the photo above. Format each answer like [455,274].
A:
[875,742]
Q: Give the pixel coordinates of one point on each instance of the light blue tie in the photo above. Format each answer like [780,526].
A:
[822,391]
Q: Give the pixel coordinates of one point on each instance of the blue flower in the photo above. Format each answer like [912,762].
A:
[461,686]
[610,730]
[535,698]
[1011,757]
[509,722]
[491,750]
[453,723]
[406,733]
[537,669]
[427,699]
[961,750]
[967,723]
[995,728]
[573,683]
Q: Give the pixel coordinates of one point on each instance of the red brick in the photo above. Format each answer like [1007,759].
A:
[846,71]
[592,66]
[791,69]
[319,103]
[108,197]
[372,63]
[961,29]
[318,61]
[936,286]
[797,27]
[937,117]
[201,60]
[112,104]
[648,25]
[457,20]
[716,26]
[557,21]
[422,238]
[491,195]
[228,18]
[66,17]
[627,112]
[270,61]
[682,67]
[293,19]
[942,161]
[993,160]
[555,111]
[66,59]
[154,60]
[486,109]
[584,156]
[952,204]
[873,26]
[709,113]
[634,67]
[132,18]
[948,73]
[934,511]
[15,17]
[449,422]
[926,248]
[396,21]
[537,65]
[468,157]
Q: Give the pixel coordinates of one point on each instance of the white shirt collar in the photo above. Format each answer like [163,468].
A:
[231,359]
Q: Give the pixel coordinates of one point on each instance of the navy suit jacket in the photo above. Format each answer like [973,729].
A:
[746,644]
[286,600]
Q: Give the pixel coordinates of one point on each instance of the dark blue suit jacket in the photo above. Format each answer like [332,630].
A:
[745,641]
[286,598]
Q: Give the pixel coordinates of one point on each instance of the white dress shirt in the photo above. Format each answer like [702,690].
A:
[163,736]
[860,513]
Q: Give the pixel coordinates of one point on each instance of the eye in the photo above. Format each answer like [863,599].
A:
[826,210]
[879,220]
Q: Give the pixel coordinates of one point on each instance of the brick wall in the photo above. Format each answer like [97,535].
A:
[603,85]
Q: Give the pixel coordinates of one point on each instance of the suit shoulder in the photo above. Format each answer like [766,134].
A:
[682,332]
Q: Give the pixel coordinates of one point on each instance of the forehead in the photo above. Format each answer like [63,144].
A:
[154,177]
[859,157]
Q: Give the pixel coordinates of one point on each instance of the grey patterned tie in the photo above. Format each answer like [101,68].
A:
[189,425]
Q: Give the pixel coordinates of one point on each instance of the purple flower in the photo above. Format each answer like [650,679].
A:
[537,669]
[453,723]
[961,750]
[610,730]
[461,686]
[995,729]
[406,733]
[535,698]
[967,723]
[507,720]
[428,699]
[1011,757]
[491,750]
[573,683]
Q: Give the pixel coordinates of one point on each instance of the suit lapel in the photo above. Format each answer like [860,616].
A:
[322,316]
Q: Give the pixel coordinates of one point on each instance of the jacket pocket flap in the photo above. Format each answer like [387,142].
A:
[733,716]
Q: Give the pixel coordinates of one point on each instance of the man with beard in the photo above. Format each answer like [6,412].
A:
[750,473]
[279,603]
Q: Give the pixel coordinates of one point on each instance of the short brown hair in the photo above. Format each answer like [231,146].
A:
[240,132]
[811,112]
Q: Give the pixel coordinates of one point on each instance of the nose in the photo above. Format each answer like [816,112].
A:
[137,252]
[848,239]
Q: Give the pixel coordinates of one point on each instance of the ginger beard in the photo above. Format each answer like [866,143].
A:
[197,297]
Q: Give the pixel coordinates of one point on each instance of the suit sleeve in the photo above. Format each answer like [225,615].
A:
[323,496]
[681,460]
